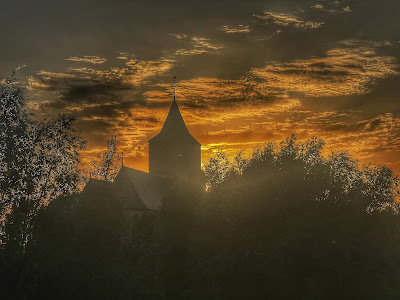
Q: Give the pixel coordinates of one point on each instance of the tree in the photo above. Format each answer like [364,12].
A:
[38,162]
[383,187]
[217,169]
[108,163]
[296,224]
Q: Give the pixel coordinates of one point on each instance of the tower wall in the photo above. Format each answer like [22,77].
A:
[175,159]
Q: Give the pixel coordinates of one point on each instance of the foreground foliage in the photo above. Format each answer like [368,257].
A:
[290,223]
[38,163]
[285,223]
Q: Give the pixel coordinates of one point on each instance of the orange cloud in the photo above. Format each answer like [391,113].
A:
[348,70]
[199,45]
[236,29]
[333,7]
[88,59]
[288,20]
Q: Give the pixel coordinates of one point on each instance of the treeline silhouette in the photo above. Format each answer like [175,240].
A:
[284,223]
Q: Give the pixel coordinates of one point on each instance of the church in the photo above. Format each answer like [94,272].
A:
[174,156]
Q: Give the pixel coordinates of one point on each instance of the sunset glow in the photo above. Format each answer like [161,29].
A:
[251,75]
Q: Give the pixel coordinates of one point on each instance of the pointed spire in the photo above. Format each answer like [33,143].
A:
[174,122]
[174,126]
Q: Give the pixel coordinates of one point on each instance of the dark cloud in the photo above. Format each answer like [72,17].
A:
[382,122]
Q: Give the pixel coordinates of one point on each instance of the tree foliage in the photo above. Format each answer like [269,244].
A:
[38,162]
[108,163]
[334,180]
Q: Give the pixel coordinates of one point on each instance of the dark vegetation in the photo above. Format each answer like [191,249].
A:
[285,223]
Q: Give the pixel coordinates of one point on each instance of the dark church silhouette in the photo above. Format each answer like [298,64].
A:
[174,156]
[174,151]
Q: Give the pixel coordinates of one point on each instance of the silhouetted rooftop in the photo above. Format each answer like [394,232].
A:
[138,190]
[141,190]
[174,126]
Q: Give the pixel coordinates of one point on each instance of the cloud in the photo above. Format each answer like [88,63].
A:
[350,69]
[138,72]
[287,20]
[369,140]
[201,92]
[54,75]
[104,97]
[200,45]
[179,36]
[210,101]
[243,129]
[333,7]
[20,67]
[47,81]
[88,59]
[125,56]
[134,73]
[380,124]
[106,101]
[236,29]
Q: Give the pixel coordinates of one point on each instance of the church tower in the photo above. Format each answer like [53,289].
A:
[174,152]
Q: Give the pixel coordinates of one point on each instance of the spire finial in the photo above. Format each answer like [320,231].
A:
[174,84]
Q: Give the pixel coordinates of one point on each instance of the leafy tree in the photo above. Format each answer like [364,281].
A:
[108,163]
[217,169]
[382,185]
[38,162]
[296,224]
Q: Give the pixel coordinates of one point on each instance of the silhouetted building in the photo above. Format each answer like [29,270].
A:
[174,152]
[174,155]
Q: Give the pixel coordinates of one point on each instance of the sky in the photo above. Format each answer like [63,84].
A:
[248,72]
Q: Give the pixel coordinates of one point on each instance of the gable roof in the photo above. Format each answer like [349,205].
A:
[136,190]
[140,190]
[174,127]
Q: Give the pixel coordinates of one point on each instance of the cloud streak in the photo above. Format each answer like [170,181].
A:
[236,29]
[333,7]
[288,20]
[88,59]
[200,45]
[350,69]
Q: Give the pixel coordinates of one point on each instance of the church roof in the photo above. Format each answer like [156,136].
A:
[140,190]
[136,189]
[174,126]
